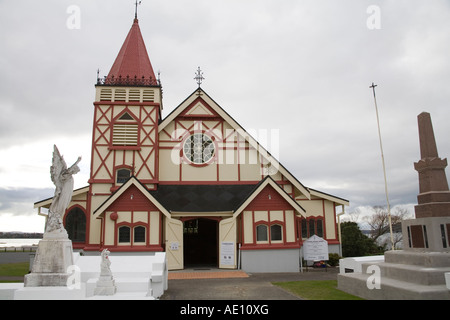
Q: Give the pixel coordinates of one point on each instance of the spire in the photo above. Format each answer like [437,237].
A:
[132,65]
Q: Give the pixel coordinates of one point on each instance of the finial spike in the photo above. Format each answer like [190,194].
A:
[135,9]
[199,77]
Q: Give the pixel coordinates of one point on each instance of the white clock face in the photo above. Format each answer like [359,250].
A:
[198,148]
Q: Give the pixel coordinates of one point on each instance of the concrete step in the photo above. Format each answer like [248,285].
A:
[390,289]
[419,258]
[410,273]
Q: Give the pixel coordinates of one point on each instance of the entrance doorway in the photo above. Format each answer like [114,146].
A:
[200,243]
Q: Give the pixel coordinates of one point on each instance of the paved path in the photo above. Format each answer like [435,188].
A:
[257,286]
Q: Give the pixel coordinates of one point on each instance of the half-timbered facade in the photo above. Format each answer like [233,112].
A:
[194,184]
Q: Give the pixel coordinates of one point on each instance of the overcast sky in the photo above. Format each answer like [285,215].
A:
[302,67]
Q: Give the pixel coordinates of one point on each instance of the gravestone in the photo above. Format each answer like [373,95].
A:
[105,285]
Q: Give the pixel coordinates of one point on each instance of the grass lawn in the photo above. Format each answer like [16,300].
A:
[316,290]
[18,269]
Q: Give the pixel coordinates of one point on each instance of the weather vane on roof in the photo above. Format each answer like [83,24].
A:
[199,77]
[135,10]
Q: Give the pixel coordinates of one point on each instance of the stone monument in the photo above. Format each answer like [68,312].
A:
[420,270]
[430,230]
[54,254]
[105,285]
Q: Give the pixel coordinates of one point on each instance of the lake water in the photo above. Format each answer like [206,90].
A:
[18,242]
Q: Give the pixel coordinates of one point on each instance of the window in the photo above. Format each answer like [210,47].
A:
[124,234]
[125,133]
[319,228]
[276,232]
[76,225]
[139,234]
[304,229]
[261,233]
[311,227]
[123,175]
[198,148]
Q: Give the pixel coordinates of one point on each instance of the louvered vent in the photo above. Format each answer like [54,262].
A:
[134,95]
[105,95]
[125,134]
[149,95]
[120,95]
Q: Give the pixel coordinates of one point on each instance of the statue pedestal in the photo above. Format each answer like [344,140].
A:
[50,267]
[105,286]
[427,234]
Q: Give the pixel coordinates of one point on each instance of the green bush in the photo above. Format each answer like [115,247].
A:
[333,259]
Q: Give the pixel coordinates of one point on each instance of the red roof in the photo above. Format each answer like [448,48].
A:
[132,61]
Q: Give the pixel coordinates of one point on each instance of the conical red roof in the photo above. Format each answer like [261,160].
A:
[132,62]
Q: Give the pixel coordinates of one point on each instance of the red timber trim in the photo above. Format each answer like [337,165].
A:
[126,103]
[324,219]
[101,126]
[132,201]
[147,119]
[89,215]
[184,219]
[269,200]
[199,116]
[208,182]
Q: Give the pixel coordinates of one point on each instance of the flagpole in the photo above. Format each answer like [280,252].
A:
[384,167]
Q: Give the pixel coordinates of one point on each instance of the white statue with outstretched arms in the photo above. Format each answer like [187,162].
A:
[63,180]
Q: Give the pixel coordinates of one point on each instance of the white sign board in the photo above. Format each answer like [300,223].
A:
[227,253]
[315,249]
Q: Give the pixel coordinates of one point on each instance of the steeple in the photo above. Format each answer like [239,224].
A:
[132,65]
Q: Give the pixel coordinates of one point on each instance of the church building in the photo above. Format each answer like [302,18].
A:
[193,183]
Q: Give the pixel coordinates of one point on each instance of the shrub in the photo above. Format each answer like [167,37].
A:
[333,259]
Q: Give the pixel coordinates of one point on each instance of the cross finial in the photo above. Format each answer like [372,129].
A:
[373,85]
[199,77]
[135,9]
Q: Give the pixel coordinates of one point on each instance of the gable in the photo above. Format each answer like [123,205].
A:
[268,195]
[132,199]
[199,108]
[131,196]
[237,145]
[268,198]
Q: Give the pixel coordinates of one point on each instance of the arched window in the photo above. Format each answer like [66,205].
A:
[261,233]
[122,175]
[124,234]
[276,232]
[76,225]
[139,234]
